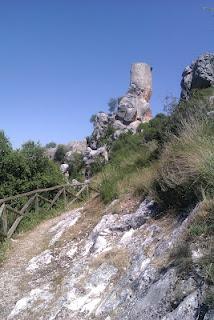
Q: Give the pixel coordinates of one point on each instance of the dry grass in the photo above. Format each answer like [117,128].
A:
[91,215]
[119,258]
[186,166]
[126,204]
[203,223]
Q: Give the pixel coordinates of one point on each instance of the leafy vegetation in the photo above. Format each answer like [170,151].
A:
[25,169]
[128,156]
[76,167]
[171,158]
[59,155]
[50,145]
[93,118]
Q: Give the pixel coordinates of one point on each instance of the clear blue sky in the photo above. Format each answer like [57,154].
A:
[61,60]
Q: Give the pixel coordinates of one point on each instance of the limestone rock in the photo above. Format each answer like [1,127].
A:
[134,105]
[102,123]
[199,75]
[74,147]
[64,167]
[209,315]
[91,156]
[71,148]
[133,109]
[109,266]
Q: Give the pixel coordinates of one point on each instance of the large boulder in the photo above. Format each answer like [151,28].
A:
[92,156]
[199,75]
[73,148]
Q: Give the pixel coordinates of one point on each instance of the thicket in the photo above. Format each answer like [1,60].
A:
[25,169]
[76,167]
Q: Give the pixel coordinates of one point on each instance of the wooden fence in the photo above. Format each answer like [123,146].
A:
[13,209]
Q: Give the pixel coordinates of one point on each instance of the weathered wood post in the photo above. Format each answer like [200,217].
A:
[36,202]
[3,215]
[65,197]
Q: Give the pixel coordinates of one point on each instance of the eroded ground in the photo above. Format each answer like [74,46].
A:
[91,264]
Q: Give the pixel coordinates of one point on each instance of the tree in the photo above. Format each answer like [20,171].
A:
[50,145]
[170,104]
[60,153]
[113,104]
[76,166]
[26,169]
[93,118]
[5,145]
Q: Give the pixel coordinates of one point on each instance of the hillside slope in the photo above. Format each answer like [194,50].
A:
[97,264]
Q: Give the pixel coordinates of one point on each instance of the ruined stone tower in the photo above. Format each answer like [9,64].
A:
[134,106]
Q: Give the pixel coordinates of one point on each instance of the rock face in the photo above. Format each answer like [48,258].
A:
[107,267]
[71,148]
[133,109]
[135,104]
[199,75]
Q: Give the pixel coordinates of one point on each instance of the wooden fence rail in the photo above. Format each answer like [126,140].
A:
[15,208]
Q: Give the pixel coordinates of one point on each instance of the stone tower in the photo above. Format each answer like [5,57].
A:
[134,106]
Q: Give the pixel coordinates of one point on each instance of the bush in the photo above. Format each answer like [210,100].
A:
[27,169]
[76,167]
[108,187]
[60,153]
[50,145]
[128,155]
[197,105]
[5,145]
[187,164]
[156,129]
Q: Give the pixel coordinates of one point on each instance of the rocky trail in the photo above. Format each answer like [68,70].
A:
[88,264]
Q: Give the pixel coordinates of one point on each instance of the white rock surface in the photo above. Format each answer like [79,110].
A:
[108,268]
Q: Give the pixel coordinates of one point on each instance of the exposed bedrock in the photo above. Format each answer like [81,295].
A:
[198,75]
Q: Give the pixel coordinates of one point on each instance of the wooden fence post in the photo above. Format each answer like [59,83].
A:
[55,199]
[65,197]
[4,219]
[23,213]
[36,203]
[6,206]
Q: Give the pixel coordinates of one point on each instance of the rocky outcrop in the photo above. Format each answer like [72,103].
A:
[91,156]
[71,148]
[133,109]
[199,75]
[103,122]
[109,267]
[135,104]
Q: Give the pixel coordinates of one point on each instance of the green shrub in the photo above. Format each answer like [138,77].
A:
[60,153]
[187,164]
[156,129]
[27,169]
[128,155]
[76,167]
[96,167]
[108,188]
[198,105]
[50,145]
[5,145]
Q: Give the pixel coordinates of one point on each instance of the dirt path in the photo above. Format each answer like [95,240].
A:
[13,277]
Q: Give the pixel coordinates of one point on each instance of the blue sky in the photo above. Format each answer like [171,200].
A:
[61,60]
